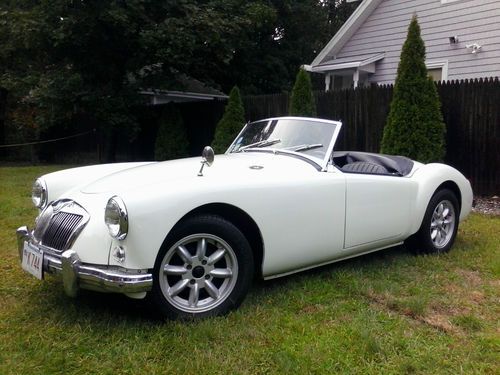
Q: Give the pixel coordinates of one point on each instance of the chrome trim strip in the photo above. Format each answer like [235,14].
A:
[76,275]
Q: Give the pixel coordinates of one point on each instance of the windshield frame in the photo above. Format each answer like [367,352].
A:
[322,164]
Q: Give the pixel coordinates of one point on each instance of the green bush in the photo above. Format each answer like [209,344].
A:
[231,123]
[415,126]
[302,99]
[171,140]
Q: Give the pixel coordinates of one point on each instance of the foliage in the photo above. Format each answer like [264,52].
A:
[415,126]
[88,59]
[302,100]
[257,45]
[91,58]
[171,140]
[280,37]
[231,123]
[384,313]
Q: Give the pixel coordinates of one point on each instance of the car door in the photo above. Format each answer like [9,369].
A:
[302,225]
[377,209]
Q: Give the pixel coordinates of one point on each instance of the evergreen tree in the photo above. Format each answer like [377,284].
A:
[415,126]
[302,99]
[231,123]
[171,140]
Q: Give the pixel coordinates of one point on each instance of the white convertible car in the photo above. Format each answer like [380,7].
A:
[192,236]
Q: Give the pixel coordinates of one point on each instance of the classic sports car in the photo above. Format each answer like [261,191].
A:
[280,200]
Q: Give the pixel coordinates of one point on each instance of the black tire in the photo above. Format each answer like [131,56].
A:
[438,230]
[213,281]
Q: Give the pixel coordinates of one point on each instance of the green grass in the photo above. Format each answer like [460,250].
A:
[389,312]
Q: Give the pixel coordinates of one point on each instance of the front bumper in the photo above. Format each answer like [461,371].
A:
[76,275]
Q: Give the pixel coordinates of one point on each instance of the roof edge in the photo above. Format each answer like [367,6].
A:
[347,30]
[356,63]
[182,94]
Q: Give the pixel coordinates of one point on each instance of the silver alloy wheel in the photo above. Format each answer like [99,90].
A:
[198,273]
[442,224]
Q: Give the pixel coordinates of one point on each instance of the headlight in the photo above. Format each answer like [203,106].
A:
[39,193]
[116,218]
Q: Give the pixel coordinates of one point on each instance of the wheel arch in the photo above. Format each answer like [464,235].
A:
[425,197]
[451,185]
[423,241]
[238,217]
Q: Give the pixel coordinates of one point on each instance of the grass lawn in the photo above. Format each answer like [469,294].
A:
[389,312]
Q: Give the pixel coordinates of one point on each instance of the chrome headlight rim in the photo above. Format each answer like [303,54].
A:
[116,218]
[40,193]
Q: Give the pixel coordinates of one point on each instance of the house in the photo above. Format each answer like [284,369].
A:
[189,90]
[462,39]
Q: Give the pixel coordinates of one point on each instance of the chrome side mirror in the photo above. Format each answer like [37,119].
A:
[208,155]
[207,158]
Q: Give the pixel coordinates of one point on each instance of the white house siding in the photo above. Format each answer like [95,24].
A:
[473,21]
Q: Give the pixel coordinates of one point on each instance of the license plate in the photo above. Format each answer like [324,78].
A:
[33,261]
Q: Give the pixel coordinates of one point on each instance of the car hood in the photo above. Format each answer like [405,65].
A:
[225,167]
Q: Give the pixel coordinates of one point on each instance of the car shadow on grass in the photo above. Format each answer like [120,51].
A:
[367,262]
[116,309]
[49,301]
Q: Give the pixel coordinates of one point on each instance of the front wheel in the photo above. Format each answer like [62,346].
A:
[205,269]
[439,226]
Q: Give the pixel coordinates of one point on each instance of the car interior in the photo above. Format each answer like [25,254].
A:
[370,163]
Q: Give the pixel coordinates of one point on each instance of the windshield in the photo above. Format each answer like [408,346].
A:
[310,137]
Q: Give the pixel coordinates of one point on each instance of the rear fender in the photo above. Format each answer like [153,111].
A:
[432,177]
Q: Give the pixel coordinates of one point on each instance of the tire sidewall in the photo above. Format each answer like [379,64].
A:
[424,242]
[218,226]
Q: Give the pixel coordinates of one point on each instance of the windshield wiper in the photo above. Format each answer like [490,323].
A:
[264,143]
[306,147]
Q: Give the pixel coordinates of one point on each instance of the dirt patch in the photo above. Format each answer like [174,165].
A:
[311,309]
[477,296]
[453,289]
[436,316]
[495,283]
[439,321]
[472,277]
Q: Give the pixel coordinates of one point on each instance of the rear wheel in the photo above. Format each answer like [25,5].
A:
[439,226]
[205,269]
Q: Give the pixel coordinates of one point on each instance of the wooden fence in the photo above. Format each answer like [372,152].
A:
[471,111]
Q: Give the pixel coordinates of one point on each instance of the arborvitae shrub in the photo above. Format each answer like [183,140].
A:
[302,99]
[231,123]
[415,126]
[171,140]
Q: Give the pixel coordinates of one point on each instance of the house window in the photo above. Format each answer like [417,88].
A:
[436,74]
[437,70]
[342,82]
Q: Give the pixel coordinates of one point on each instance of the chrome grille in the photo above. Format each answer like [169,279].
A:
[60,229]
[58,226]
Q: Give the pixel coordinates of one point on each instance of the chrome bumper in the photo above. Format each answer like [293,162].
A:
[76,275]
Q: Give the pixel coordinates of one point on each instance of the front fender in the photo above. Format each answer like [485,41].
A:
[429,178]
